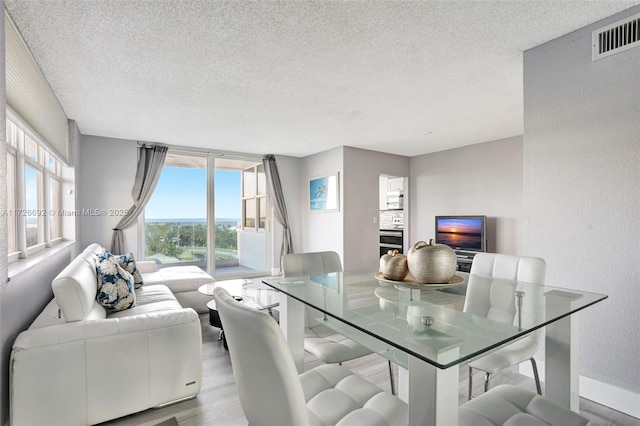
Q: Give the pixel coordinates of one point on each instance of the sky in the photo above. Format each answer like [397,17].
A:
[469,225]
[182,193]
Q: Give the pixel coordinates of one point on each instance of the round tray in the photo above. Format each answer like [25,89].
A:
[409,281]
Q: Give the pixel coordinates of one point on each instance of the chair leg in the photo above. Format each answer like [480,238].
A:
[486,381]
[535,375]
[391,380]
[470,383]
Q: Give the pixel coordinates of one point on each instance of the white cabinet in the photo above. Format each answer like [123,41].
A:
[383,192]
[391,193]
[395,184]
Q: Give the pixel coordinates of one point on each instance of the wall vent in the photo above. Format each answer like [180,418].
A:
[615,38]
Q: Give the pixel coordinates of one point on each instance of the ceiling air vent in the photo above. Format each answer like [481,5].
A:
[616,37]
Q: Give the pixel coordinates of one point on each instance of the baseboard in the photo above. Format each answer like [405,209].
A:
[619,399]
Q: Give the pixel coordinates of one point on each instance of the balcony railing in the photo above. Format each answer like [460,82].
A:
[182,242]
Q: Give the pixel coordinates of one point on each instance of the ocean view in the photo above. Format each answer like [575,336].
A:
[223,221]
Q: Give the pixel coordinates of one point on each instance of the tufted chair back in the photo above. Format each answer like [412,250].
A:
[268,384]
[491,293]
[321,262]
[517,268]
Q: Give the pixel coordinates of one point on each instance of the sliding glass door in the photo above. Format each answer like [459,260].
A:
[240,225]
[176,216]
[209,211]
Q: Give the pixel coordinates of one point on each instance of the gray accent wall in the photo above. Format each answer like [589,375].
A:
[482,179]
[105,180]
[21,301]
[362,170]
[582,192]
[351,231]
[321,231]
[289,171]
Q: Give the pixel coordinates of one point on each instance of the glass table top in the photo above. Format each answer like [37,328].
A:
[477,316]
[258,295]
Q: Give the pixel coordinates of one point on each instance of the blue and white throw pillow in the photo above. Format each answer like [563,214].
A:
[115,284]
[128,263]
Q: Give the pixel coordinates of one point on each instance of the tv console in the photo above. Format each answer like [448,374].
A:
[464,260]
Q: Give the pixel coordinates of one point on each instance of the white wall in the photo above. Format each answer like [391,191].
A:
[361,189]
[581,192]
[321,231]
[483,179]
[105,178]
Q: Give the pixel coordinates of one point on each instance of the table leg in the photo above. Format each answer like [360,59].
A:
[292,326]
[432,393]
[561,352]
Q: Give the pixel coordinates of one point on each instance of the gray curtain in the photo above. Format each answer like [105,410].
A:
[274,189]
[150,162]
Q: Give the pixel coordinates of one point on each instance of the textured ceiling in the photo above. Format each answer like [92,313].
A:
[295,77]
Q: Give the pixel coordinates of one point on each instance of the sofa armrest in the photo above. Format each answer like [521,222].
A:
[146,266]
[140,361]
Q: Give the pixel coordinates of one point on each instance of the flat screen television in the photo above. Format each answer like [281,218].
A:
[466,233]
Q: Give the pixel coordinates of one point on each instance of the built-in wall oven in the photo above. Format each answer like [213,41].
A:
[390,239]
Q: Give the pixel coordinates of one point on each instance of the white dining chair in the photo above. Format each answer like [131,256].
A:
[272,393]
[499,301]
[514,406]
[321,341]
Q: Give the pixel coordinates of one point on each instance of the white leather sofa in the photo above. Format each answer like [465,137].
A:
[183,281]
[79,365]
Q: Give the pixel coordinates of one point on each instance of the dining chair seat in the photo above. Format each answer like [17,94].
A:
[336,396]
[272,393]
[508,356]
[331,347]
[508,405]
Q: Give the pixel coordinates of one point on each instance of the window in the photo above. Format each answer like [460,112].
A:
[254,198]
[225,236]
[34,204]
[55,230]
[34,195]
[55,198]
[175,226]
[11,199]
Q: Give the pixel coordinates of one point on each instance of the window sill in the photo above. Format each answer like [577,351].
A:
[21,265]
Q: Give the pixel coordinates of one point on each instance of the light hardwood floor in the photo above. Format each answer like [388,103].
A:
[218,404]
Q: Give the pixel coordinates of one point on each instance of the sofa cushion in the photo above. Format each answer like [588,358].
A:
[184,278]
[128,263]
[116,289]
[152,278]
[150,298]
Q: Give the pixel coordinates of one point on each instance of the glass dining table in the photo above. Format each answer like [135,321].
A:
[429,331]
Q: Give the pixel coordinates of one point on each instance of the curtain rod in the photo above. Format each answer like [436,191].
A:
[217,153]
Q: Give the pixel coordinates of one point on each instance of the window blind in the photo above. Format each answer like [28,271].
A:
[31,97]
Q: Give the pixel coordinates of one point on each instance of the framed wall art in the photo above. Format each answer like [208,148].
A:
[323,193]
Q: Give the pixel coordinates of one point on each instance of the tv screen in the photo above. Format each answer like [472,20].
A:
[461,232]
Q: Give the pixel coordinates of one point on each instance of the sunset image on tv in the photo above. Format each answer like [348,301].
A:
[462,233]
